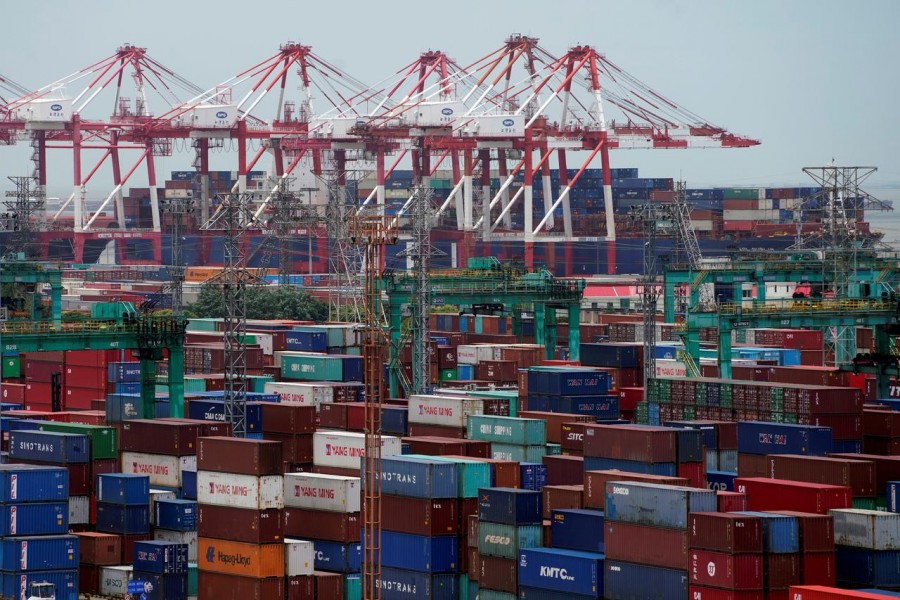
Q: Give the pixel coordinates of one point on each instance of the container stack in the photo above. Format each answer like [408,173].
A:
[720,441]
[160,449]
[123,508]
[511,438]
[646,537]
[175,521]
[341,452]
[817,566]
[756,440]
[858,475]
[292,425]
[443,416]
[240,501]
[420,538]
[881,431]
[98,553]
[779,494]
[726,556]
[867,546]
[160,570]
[580,391]
[509,521]
[781,560]
[35,547]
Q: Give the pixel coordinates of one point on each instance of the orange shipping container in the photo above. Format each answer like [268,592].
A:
[238,558]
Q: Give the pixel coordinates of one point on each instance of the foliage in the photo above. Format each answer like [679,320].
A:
[445,308]
[263,302]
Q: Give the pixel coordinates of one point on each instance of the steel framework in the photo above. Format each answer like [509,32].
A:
[24,215]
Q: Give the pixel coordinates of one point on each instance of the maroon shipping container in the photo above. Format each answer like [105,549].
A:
[817,568]
[335,471]
[858,475]
[473,564]
[153,436]
[843,427]
[104,549]
[462,553]
[333,416]
[781,571]
[128,542]
[777,494]
[640,443]
[472,531]
[233,587]
[564,470]
[239,455]
[555,422]
[887,468]
[240,524]
[441,431]
[295,448]
[478,449]
[435,446]
[732,571]
[752,465]
[731,501]
[881,423]
[700,592]
[595,484]
[725,532]
[300,587]
[88,579]
[446,357]
[207,428]
[881,445]
[646,545]
[572,437]
[499,574]
[420,516]
[329,586]
[288,418]
[816,531]
[498,371]
[557,497]
[322,525]
[694,472]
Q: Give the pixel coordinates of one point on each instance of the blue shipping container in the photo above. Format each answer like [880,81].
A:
[17,585]
[598,406]
[596,463]
[857,566]
[306,341]
[119,372]
[710,435]
[562,570]
[48,553]
[532,476]
[160,557]
[438,554]
[189,485]
[179,515]
[214,410]
[36,518]
[630,581]
[689,445]
[161,587]
[417,477]
[509,505]
[656,505]
[567,382]
[395,420]
[33,483]
[893,491]
[720,480]
[123,519]
[779,438]
[123,488]
[781,533]
[611,355]
[577,529]
[334,556]
[49,446]
[402,584]
[528,593]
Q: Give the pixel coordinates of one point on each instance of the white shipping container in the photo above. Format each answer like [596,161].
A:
[307,394]
[699,225]
[163,470]
[449,411]
[79,510]
[240,491]
[159,495]
[114,581]
[345,449]
[747,215]
[315,491]
[472,354]
[179,537]
[670,368]
[299,557]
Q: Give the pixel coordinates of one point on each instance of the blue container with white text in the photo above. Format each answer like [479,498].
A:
[34,518]
[630,581]
[562,570]
[33,483]
[39,553]
[49,446]
[577,529]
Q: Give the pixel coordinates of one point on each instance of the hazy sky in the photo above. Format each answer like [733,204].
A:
[813,79]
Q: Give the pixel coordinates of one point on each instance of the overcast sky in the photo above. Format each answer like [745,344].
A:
[813,79]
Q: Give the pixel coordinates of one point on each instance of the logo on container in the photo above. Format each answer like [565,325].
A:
[620,491]
[221,115]
[711,569]
[56,107]
[556,573]
[498,539]
[447,111]
[211,554]
[508,122]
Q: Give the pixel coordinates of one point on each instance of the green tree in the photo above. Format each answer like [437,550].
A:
[263,302]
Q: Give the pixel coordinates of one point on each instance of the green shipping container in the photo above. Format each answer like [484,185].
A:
[507,430]
[741,193]
[12,367]
[505,541]
[257,383]
[464,587]
[312,367]
[203,324]
[194,384]
[554,449]
[486,594]
[192,579]
[104,440]
[352,587]
[470,474]
[533,454]
[448,375]
[865,503]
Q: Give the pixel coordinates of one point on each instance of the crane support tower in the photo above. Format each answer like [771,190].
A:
[179,208]
[24,208]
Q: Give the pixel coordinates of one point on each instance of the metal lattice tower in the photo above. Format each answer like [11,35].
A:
[345,259]
[372,232]
[233,217]
[23,214]
[686,241]
[179,208]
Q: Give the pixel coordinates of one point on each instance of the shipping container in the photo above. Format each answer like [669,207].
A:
[781,532]
[232,587]
[161,469]
[157,586]
[819,592]
[345,449]
[497,576]
[858,475]
[114,580]
[187,538]
[236,455]
[402,584]
[435,554]
[160,557]
[646,545]
[123,518]
[104,440]
[562,570]
[578,529]
[447,411]
[39,553]
[155,436]
[632,443]
[857,566]
[725,532]
[507,430]
[503,540]
[816,531]
[33,483]
[123,488]
[334,556]
[49,446]
[869,529]
[178,515]
[595,484]
[240,524]
[511,506]
[99,548]
[420,516]
[240,558]
[781,438]
[299,557]
[655,505]
[17,585]
[472,474]
[417,477]
[240,491]
[322,492]
[777,494]
[723,570]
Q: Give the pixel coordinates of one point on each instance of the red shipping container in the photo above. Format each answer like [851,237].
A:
[731,501]
[572,437]
[207,428]
[335,471]
[422,430]
[421,516]
[87,358]
[629,397]
[695,473]
[881,445]
[817,568]
[238,455]
[555,421]
[42,372]
[843,427]
[13,392]
[752,465]
[333,416]
[88,579]
[154,436]
[239,524]
[816,531]
[233,587]
[595,484]
[777,494]
[435,446]
[300,587]
[781,571]
[86,377]
[80,398]
[556,497]
[288,418]
[446,357]
[322,525]
[296,449]
[356,416]
[498,574]
[473,564]
[881,423]
[87,417]
[128,542]
[858,475]
[646,545]
[99,548]
[726,532]
[639,443]
[564,470]
[699,592]
[732,571]
[887,468]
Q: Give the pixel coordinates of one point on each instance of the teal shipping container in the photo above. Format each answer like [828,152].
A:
[470,474]
[508,430]
[504,541]
[312,367]
[522,454]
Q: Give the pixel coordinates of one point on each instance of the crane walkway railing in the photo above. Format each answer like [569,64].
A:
[810,305]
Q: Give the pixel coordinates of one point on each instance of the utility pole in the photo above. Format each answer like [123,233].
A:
[25,203]
[178,208]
